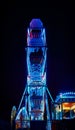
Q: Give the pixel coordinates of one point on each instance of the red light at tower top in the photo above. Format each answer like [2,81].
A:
[36,35]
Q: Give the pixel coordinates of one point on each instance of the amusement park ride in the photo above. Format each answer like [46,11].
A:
[35,103]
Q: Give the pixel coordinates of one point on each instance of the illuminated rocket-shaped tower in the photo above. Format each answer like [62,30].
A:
[34,104]
[36,63]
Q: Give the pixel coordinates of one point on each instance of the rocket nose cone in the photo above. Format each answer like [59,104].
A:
[36,23]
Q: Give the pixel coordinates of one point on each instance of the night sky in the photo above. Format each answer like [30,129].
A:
[59,23]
